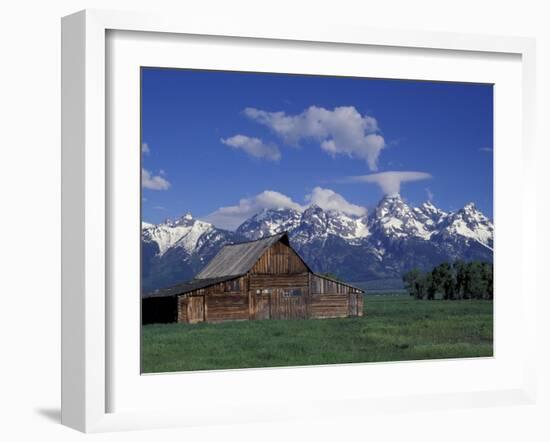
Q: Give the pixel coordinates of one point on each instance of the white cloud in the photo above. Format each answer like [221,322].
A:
[328,199]
[390,182]
[253,146]
[231,217]
[341,131]
[153,182]
[145,148]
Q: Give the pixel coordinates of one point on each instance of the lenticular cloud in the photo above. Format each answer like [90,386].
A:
[390,182]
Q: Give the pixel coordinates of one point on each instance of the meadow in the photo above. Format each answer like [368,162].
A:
[395,327]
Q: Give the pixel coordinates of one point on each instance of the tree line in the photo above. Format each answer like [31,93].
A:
[458,280]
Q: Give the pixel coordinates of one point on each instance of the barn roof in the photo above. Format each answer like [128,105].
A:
[338,281]
[186,287]
[237,259]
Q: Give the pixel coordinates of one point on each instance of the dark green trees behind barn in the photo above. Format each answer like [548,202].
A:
[458,280]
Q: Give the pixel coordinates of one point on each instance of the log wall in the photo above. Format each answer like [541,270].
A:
[195,309]
[329,306]
[298,296]
[227,307]
[360,305]
[259,282]
[183,301]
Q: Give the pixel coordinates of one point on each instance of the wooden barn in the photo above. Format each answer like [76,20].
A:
[262,279]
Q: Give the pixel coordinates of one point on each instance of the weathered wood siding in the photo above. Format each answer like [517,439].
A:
[329,306]
[259,282]
[225,301]
[262,309]
[360,306]
[289,304]
[325,285]
[277,260]
[333,299]
[183,301]
[352,304]
[195,309]
[227,307]
[280,296]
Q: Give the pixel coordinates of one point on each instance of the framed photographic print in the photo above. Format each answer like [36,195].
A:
[251,213]
[306,211]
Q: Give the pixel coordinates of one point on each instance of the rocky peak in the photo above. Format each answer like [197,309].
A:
[185,220]
[472,212]
[268,222]
[429,214]
[394,218]
[470,223]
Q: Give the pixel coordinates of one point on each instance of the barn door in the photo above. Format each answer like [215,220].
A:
[352,304]
[263,305]
[288,303]
[195,309]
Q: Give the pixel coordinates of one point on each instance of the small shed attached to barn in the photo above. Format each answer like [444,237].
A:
[262,279]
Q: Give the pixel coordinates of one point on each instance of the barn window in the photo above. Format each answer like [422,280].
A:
[289,293]
[232,286]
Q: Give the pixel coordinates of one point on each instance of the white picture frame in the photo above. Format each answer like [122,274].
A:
[87,356]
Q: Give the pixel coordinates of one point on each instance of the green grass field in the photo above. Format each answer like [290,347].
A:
[394,328]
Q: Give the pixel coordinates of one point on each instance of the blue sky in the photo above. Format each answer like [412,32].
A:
[223,145]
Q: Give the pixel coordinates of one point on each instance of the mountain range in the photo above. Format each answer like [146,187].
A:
[380,245]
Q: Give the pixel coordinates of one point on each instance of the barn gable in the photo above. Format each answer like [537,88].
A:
[279,259]
[238,259]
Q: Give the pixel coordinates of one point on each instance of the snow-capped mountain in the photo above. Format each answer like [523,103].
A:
[317,223]
[393,218]
[269,222]
[183,232]
[391,239]
[310,225]
[429,215]
[468,224]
